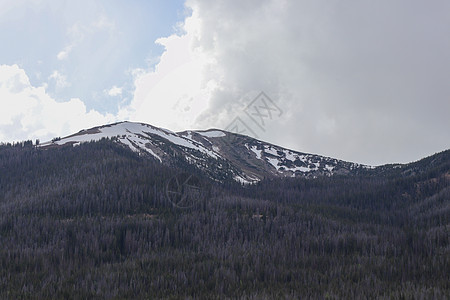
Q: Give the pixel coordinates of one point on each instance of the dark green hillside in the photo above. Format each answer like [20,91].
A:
[94,221]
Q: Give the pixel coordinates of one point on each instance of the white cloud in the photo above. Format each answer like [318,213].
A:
[174,94]
[363,82]
[78,32]
[103,23]
[64,54]
[59,79]
[28,112]
[114,91]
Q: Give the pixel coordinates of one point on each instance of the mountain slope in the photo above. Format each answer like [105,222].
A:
[95,221]
[221,154]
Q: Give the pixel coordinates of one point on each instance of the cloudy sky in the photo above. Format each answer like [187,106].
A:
[365,81]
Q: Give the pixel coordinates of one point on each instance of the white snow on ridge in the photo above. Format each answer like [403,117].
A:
[137,132]
[142,137]
[289,155]
[212,133]
[132,140]
[242,180]
[274,162]
[129,144]
[257,152]
[301,169]
[271,150]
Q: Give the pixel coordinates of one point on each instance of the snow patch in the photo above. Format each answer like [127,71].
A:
[274,162]
[289,155]
[245,181]
[137,133]
[270,150]
[153,153]
[212,133]
[301,169]
[256,151]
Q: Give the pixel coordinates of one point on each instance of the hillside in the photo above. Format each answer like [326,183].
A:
[96,221]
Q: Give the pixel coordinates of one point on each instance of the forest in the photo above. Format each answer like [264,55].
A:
[97,221]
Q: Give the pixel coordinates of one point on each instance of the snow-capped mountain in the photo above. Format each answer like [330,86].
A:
[218,153]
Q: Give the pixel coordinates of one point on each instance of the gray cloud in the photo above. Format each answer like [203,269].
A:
[366,81]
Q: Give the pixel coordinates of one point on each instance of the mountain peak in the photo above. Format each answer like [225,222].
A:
[219,153]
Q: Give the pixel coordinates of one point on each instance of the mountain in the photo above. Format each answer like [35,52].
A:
[97,221]
[218,153]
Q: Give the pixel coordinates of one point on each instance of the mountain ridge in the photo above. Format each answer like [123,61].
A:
[219,153]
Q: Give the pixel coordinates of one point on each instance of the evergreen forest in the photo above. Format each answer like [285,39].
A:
[97,221]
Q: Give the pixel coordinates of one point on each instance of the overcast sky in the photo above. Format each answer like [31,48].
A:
[364,81]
